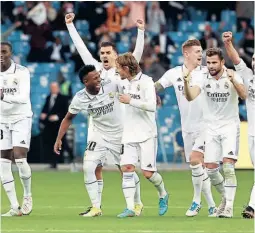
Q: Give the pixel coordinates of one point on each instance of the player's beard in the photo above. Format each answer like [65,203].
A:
[215,73]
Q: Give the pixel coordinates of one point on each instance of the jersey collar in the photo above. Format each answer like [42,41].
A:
[12,68]
[94,96]
[224,75]
[137,77]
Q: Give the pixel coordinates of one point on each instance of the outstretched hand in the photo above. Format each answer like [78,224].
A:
[69,18]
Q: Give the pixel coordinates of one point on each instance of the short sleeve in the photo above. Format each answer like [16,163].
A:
[75,106]
[167,80]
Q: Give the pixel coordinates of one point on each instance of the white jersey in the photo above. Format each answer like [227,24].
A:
[89,60]
[103,109]
[249,82]
[140,113]
[221,100]
[15,83]
[191,112]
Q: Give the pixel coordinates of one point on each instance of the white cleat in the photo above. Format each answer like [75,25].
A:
[94,212]
[227,213]
[27,205]
[221,207]
[193,210]
[138,209]
[13,213]
[212,212]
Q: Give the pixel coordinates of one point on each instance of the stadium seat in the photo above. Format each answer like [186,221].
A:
[82,25]
[229,17]
[122,47]
[21,47]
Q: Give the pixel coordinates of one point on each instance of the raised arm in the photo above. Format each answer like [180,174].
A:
[231,51]
[139,45]
[78,42]
[24,94]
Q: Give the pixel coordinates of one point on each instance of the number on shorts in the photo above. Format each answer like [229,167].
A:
[1,134]
[91,146]
[122,149]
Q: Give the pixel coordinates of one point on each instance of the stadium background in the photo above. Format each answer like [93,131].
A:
[34,37]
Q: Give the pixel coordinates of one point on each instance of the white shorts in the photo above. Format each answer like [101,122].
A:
[145,152]
[222,143]
[16,134]
[194,141]
[98,150]
[251,140]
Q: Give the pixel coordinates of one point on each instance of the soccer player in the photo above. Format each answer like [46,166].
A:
[140,133]
[249,82]
[15,130]
[108,55]
[221,90]
[192,122]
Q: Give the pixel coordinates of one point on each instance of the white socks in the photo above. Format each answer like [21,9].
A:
[8,181]
[230,183]
[157,180]
[197,180]
[100,190]
[252,198]
[137,197]
[25,175]
[217,180]
[207,191]
[91,182]
[129,188]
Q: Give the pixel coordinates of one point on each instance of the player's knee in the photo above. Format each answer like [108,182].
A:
[196,158]
[127,168]
[99,174]
[89,168]
[7,154]
[20,153]
[147,174]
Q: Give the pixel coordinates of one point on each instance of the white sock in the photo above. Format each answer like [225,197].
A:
[128,187]
[137,197]
[8,182]
[197,180]
[230,183]
[252,198]
[217,180]
[25,175]
[158,182]
[207,191]
[100,190]
[91,183]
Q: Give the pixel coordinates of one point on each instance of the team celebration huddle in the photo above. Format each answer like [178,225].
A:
[121,103]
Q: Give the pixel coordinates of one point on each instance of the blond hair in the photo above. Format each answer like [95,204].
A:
[127,59]
[190,43]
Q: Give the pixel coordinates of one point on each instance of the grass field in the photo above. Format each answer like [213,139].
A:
[60,196]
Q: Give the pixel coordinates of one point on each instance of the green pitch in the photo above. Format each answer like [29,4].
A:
[60,196]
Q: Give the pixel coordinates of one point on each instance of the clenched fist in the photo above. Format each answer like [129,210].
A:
[69,18]
[230,74]
[140,24]
[227,37]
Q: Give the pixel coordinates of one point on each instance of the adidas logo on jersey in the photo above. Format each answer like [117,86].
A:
[22,142]
[208,86]
[201,148]
[90,106]
[231,153]
[179,80]
[149,166]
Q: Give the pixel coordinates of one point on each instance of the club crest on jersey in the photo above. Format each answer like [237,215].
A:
[5,82]
[217,85]
[138,87]
[15,81]
[226,85]
[111,95]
